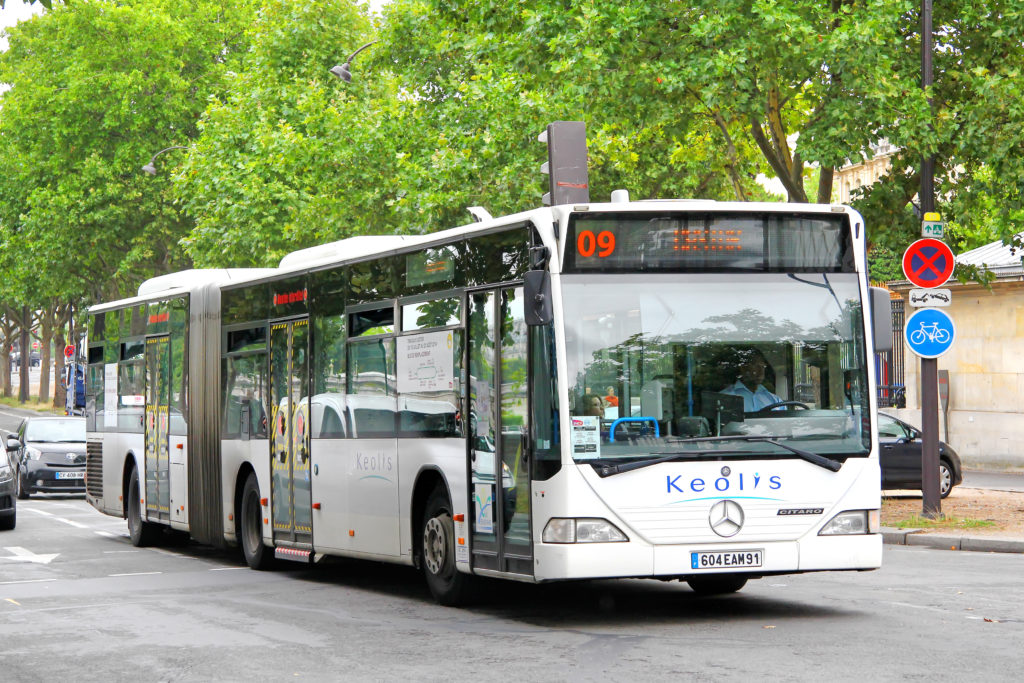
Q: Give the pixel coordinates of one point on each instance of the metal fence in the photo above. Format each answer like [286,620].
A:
[889,368]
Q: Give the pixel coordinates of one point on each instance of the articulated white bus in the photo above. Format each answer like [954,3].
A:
[665,389]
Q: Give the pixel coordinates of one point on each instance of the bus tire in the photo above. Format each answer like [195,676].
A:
[448,585]
[257,555]
[141,533]
[717,584]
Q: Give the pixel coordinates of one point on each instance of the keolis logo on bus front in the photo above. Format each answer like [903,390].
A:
[739,483]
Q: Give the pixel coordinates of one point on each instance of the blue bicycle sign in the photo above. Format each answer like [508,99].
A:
[929,332]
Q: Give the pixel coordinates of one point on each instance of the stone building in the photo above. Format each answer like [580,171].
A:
[854,175]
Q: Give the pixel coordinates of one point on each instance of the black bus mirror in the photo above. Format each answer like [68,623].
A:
[537,288]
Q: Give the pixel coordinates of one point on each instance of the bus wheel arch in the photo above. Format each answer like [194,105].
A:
[141,532]
[130,465]
[426,482]
[241,476]
[249,522]
[435,539]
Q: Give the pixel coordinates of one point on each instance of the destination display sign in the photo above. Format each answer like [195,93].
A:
[703,241]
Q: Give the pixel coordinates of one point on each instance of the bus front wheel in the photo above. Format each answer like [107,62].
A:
[448,585]
[257,555]
[718,584]
[142,533]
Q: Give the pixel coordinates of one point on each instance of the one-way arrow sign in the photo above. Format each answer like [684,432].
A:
[22,555]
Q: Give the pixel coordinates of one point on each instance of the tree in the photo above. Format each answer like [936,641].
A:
[96,88]
[737,86]
[282,160]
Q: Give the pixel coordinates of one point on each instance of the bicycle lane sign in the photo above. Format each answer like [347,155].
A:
[929,332]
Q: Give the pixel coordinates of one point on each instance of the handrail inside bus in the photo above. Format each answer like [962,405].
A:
[611,431]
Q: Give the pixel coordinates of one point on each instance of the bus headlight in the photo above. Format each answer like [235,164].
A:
[852,522]
[581,530]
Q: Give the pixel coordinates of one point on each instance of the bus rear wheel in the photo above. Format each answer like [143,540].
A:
[448,585]
[142,533]
[257,555]
[717,584]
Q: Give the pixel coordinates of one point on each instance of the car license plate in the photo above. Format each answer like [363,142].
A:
[71,475]
[722,559]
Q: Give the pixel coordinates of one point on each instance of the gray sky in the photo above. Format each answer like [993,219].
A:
[14,12]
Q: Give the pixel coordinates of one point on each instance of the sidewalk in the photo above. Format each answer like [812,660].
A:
[975,494]
[943,540]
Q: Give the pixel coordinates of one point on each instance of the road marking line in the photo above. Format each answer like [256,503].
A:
[107,534]
[40,512]
[7,583]
[109,552]
[136,574]
[226,569]
[13,601]
[170,554]
[77,525]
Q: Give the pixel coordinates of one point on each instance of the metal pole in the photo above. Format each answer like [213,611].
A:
[931,501]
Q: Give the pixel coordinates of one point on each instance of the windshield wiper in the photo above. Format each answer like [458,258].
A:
[813,458]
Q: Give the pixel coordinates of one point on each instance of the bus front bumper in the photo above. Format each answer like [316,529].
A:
[636,559]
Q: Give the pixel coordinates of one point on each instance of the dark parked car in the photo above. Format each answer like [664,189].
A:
[34,359]
[8,489]
[49,454]
[901,457]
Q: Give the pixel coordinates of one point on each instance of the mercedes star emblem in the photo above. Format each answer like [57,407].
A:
[726,518]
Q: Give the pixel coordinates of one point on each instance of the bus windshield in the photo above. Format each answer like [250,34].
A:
[658,364]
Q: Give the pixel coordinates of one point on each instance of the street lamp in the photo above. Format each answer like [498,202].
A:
[342,70]
[150,168]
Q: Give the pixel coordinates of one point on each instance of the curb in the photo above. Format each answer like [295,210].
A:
[917,537]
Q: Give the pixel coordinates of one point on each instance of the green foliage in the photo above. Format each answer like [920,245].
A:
[975,131]
[287,158]
[884,264]
[97,88]
[680,100]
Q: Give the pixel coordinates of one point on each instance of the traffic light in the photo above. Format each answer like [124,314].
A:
[567,163]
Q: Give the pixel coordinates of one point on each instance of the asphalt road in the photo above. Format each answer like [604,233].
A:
[78,602]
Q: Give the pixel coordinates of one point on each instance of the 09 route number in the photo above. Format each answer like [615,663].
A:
[603,243]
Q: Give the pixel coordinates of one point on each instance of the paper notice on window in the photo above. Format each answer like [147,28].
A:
[426,362]
[586,436]
[110,395]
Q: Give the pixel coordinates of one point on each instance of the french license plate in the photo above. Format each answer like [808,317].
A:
[70,475]
[723,559]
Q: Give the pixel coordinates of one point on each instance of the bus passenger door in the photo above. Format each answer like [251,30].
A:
[291,508]
[156,422]
[499,432]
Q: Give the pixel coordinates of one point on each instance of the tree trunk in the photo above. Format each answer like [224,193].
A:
[59,342]
[7,329]
[47,320]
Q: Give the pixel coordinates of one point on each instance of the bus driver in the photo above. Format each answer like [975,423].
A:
[751,371]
